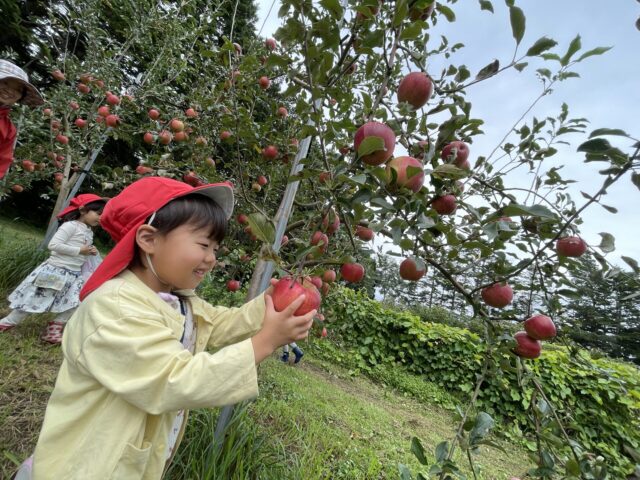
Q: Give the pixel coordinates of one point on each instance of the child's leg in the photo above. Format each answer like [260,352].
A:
[13,319]
[285,354]
[53,333]
[297,352]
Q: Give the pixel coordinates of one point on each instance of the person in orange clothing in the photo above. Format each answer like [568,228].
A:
[14,88]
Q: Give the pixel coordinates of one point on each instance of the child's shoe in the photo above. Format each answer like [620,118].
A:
[285,357]
[53,333]
[298,353]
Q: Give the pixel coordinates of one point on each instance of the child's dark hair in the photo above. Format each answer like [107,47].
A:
[96,206]
[196,210]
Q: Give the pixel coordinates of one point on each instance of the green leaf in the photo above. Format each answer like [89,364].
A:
[489,70]
[631,262]
[418,450]
[520,66]
[595,51]
[486,5]
[607,244]
[448,170]
[608,131]
[262,227]
[520,210]
[517,23]
[574,46]
[596,145]
[572,468]
[411,31]
[609,208]
[405,473]
[370,145]
[541,45]
[635,178]
[446,11]
[334,8]
[441,451]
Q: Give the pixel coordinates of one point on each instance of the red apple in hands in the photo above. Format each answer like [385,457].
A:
[380,130]
[540,327]
[410,270]
[352,272]
[527,347]
[498,295]
[287,290]
[571,247]
[403,177]
[415,89]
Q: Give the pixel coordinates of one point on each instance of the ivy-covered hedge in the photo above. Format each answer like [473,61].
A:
[598,400]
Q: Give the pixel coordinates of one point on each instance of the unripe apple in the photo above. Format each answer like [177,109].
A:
[422,14]
[415,89]
[380,130]
[352,272]
[571,247]
[255,186]
[498,295]
[324,177]
[445,205]
[527,347]
[409,173]
[287,290]
[540,327]
[410,270]
[47,112]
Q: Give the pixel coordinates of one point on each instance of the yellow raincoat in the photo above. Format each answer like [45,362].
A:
[125,375]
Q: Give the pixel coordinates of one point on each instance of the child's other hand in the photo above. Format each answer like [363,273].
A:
[280,328]
[88,250]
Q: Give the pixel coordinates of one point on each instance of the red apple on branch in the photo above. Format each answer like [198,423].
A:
[571,247]
[352,272]
[58,75]
[415,89]
[445,205]
[410,270]
[405,172]
[456,152]
[498,295]
[270,43]
[270,152]
[527,347]
[264,82]
[153,114]
[379,130]
[540,327]
[364,233]
[329,276]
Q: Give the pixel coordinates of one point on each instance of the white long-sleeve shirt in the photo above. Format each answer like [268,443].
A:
[66,243]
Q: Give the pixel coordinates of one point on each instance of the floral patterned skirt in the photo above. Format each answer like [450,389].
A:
[31,296]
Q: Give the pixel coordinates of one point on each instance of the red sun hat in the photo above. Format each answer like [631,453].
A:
[130,209]
[80,201]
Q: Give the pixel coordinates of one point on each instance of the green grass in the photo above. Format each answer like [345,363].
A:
[316,420]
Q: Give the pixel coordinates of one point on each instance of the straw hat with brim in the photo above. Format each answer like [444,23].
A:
[127,211]
[31,97]
[80,201]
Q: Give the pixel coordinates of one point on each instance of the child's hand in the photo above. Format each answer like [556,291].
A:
[280,328]
[88,250]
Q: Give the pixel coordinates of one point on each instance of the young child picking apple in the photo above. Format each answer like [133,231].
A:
[14,88]
[134,353]
[54,285]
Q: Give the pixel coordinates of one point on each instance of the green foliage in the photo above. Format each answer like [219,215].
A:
[17,260]
[598,400]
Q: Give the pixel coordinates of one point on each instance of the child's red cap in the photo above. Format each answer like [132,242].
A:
[132,207]
[80,201]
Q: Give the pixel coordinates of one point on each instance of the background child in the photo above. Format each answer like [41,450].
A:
[54,286]
[14,88]
[134,357]
[296,351]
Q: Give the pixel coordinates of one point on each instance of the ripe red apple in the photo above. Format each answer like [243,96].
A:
[498,295]
[245,258]
[113,99]
[242,219]
[103,111]
[364,233]
[98,83]
[317,281]
[264,82]
[180,136]
[142,170]
[262,180]
[319,237]
[527,347]
[55,125]
[540,327]
[415,89]
[287,290]
[62,139]
[331,222]
[225,134]
[324,177]
[380,130]
[456,152]
[28,165]
[284,240]
[74,105]
[282,112]
[47,112]
[422,14]
[17,188]
[233,285]
[571,247]
[445,205]
[164,137]
[270,152]
[148,138]
[270,43]
[409,270]
[329,276]
[153,114]
[191,113]
[192,179]
[112,120]
[412,179]
[352,272]
[80,123]
[325,289]
[176,125]
[60,158]
[58,75]
[99,119]
[58,177]
[82,88]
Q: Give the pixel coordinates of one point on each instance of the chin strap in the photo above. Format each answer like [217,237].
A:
[148,257]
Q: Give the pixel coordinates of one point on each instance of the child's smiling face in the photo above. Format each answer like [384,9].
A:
[11,91]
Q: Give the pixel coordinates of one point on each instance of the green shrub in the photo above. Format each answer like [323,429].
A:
[598,400]
[17,259]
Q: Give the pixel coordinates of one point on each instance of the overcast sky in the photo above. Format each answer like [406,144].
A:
[608,92]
